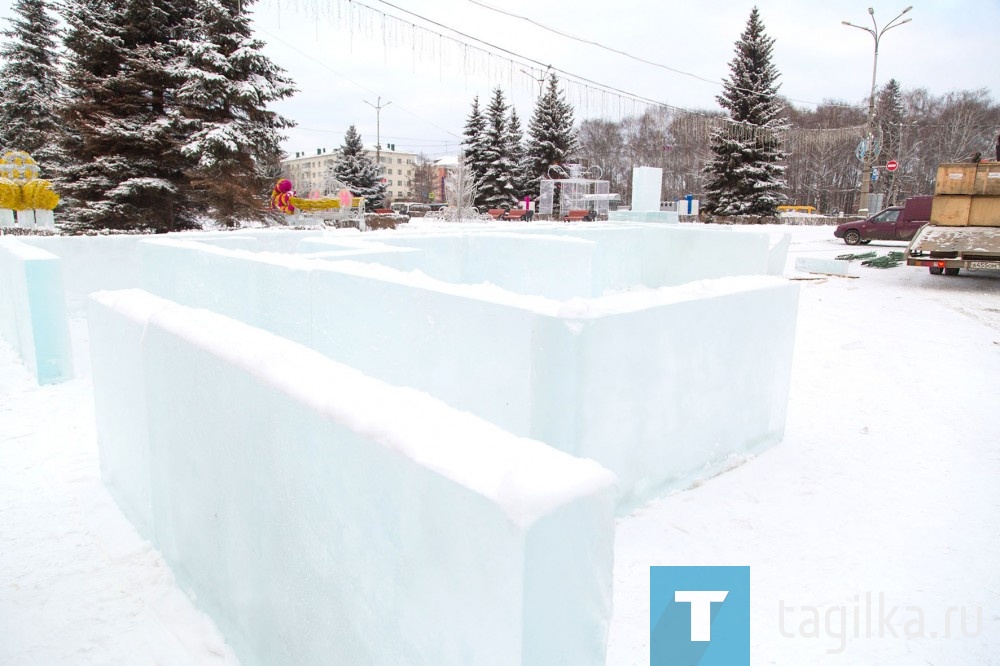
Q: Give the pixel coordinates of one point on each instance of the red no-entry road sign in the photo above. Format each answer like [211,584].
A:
[891,165]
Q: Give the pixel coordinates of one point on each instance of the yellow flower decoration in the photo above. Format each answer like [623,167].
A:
[38,194]
[326,203]
[10,194]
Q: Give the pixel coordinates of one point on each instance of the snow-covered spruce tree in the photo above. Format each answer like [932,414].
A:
[356,170]
[551,137]
[890,112]
[29,83]
[496,186]
[745,177]
[473,144]
[229,135]
[515,147]
[124,168]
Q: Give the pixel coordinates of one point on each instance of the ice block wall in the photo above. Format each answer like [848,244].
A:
[669,389]
[674,255]
[322,516]
[560,263]
[93,263]
[90,263]
[556,266]
[33,310]
[647,186]
[391,325]
[659,385]
[660,217]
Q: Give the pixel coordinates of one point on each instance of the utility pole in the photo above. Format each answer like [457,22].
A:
[540,81]
[378,128]
[868,157]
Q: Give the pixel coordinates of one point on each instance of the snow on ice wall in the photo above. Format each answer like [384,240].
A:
[33,310]
[322,516]
[659,385]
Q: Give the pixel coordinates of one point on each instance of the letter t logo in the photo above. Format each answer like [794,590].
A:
[701,610]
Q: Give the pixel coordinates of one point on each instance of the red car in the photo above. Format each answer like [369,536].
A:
[896,223]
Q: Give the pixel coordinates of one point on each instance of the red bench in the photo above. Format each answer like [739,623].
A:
[498,213]
[577,216]
[516,213]
[384,211]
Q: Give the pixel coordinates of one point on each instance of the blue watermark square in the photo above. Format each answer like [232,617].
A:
[699,616]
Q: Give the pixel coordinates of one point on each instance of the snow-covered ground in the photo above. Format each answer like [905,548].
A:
[885,494]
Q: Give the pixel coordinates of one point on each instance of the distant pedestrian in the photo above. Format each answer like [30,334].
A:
[977,157]
[998,147]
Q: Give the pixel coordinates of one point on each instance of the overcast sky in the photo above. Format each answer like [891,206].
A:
[946,46]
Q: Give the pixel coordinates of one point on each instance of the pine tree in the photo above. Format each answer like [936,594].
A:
[745,177]
[474,144]
[29,82]
[515,148]
[496,186]
[124,168]
[230,136]
[889,109]
[551,137]
[358,172]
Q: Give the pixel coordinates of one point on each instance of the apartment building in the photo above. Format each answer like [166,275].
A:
[307,171]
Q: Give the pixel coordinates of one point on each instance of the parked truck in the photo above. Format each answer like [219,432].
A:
[895,223]
[964,227]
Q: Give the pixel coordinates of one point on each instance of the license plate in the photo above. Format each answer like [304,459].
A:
[984,264]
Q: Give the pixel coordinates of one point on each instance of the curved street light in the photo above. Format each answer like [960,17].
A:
[876,33]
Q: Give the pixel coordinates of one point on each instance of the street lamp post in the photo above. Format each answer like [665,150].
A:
[378,128]
[869,153]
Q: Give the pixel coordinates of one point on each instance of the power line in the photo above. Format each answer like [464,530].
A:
[576,78]
[515,60]
[524,59]
[637,58]
[387,136]
[350,80]
[591,42]
[413,144]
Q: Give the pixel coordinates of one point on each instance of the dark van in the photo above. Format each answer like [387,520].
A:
[896,223]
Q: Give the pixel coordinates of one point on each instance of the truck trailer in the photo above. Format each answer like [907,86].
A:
[964,227]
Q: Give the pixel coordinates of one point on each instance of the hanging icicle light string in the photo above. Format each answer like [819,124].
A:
[503,67]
